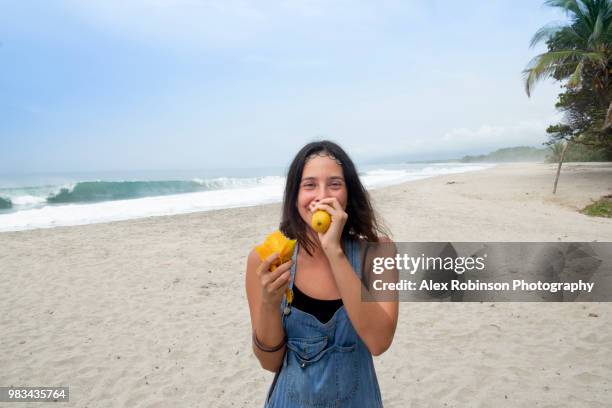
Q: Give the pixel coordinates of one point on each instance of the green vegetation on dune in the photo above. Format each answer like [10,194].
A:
[600,208]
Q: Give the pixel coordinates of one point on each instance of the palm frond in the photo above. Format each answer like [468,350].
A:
[569,35]
[546,32]
[597,30]
[572,6]
[544,65]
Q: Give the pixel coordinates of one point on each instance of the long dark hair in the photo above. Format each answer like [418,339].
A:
[362,221]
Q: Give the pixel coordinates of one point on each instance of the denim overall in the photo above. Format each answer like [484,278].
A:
[325,365]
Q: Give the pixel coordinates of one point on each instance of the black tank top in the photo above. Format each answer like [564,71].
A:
[322,309]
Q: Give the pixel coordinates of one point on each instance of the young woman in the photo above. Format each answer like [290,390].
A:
[320,343]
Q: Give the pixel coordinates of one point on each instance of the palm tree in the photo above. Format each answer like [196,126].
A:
[577,48]
[585,43]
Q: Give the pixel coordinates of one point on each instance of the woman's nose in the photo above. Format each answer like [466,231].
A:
[320,194]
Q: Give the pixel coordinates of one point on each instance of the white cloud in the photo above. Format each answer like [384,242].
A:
[482,139]
[526,132]
[486,136]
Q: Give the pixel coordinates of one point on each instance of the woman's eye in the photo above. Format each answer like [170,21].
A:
[308,185]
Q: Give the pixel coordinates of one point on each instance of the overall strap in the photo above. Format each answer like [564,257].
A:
[353,255]
[291,277]
[293,265]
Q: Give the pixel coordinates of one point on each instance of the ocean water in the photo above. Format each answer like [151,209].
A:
[50,200]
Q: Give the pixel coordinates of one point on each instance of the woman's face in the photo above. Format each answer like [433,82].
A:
[322,178]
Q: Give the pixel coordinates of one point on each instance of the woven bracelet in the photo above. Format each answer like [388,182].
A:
[264,348]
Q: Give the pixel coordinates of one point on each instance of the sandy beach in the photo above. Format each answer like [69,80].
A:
[152,312]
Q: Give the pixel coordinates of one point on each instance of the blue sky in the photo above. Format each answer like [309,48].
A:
[160,84]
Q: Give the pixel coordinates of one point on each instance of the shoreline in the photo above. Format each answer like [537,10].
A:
[68,214]
[564,198]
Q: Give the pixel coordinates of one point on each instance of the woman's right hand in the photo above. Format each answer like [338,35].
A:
[273,284]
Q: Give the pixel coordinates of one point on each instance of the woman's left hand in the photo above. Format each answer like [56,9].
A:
[330,240]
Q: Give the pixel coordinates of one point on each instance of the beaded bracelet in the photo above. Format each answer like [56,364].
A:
[267,349]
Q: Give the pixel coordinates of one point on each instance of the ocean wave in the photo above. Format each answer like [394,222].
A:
[28,200]
[5,203]
[88,213]
[96,191]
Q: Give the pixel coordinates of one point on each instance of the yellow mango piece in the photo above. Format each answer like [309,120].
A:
[277,242]
[287,251]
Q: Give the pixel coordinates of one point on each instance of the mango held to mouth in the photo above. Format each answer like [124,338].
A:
[320,221]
